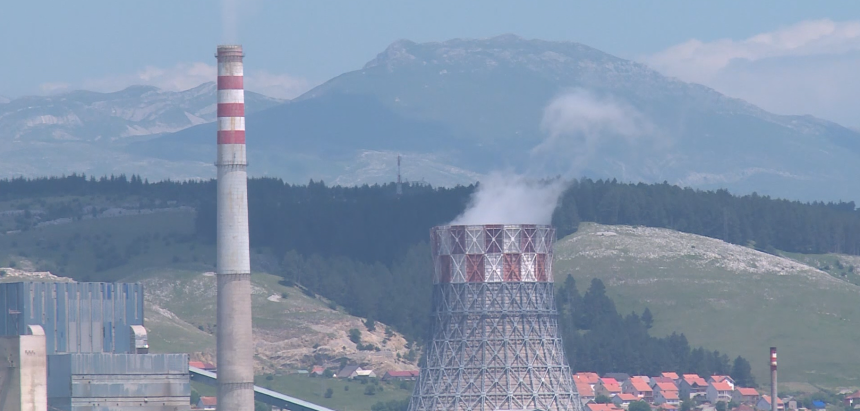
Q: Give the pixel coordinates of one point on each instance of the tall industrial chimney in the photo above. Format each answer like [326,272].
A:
[773,397]
[495,343]
[235,350]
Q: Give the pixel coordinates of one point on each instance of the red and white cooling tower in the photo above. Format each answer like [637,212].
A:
[235,349]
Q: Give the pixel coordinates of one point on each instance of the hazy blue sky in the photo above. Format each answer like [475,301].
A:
[52,46]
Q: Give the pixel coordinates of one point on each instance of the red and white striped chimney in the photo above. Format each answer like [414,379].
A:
[774,406]
[235,349]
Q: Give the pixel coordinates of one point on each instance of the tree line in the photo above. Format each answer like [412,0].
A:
[599,339]
[370,223]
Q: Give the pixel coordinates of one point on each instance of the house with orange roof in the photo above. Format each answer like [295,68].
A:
[207,403]
[656,380]
[721,378]
[667,407]
[693,387]
[602,407]
[645,378]
[586,393]
[639,388]
[667,397]
[743,395]
[664,386]
[608,387]
[763,403]
[672,375]
[720,391]
[590,378]
[623,400]
[851,400]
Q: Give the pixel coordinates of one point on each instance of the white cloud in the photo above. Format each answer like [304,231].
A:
[807,68]
[184,76]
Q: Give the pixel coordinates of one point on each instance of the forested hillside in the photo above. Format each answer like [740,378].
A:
[371,224]
[365,248]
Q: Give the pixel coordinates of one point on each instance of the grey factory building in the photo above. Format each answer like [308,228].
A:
[96,346]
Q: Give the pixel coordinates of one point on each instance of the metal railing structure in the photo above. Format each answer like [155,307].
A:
[261,394]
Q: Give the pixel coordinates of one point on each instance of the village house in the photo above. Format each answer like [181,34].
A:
[608,387]
[658,380]
[623,400]
[318,370]
[763,403]
[664,386]
[639,388]
[667,397]
[586,393]
[202,365]
[645,378]
[721,378]
[590,378]
[851,400]
[617,376]
[668,407]
[400,375]
[365,373]
[743,395]
[673,375]
[602,407]
[720,391]
[353,371]
[207,403]
[693,387]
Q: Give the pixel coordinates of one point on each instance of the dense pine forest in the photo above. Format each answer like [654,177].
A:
[371,224]
[365,248]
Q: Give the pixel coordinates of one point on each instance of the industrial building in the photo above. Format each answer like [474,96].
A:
[235,346]
[96,350]
[495,343]
[23,374]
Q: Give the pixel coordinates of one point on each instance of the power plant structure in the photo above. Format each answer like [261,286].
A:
[773,394]
[495,343]
[83,347]
[235,348]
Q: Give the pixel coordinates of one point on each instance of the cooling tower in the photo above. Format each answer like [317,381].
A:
[495,343]
[235,349]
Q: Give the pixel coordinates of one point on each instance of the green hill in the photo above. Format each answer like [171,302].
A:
[726,297]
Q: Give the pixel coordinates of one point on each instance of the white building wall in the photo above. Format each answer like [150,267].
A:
[23,372]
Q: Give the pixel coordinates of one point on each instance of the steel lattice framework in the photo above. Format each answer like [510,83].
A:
[495,343]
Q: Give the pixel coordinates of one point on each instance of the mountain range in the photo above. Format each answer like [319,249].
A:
[455,110]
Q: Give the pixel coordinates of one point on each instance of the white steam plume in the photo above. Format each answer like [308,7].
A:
[576,124]
[511,199]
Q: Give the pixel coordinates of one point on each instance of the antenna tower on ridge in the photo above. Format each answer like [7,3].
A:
[399,182]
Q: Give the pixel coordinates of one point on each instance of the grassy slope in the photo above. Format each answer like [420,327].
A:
[844,267]
[285,330]
[725,297]
[313,390]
